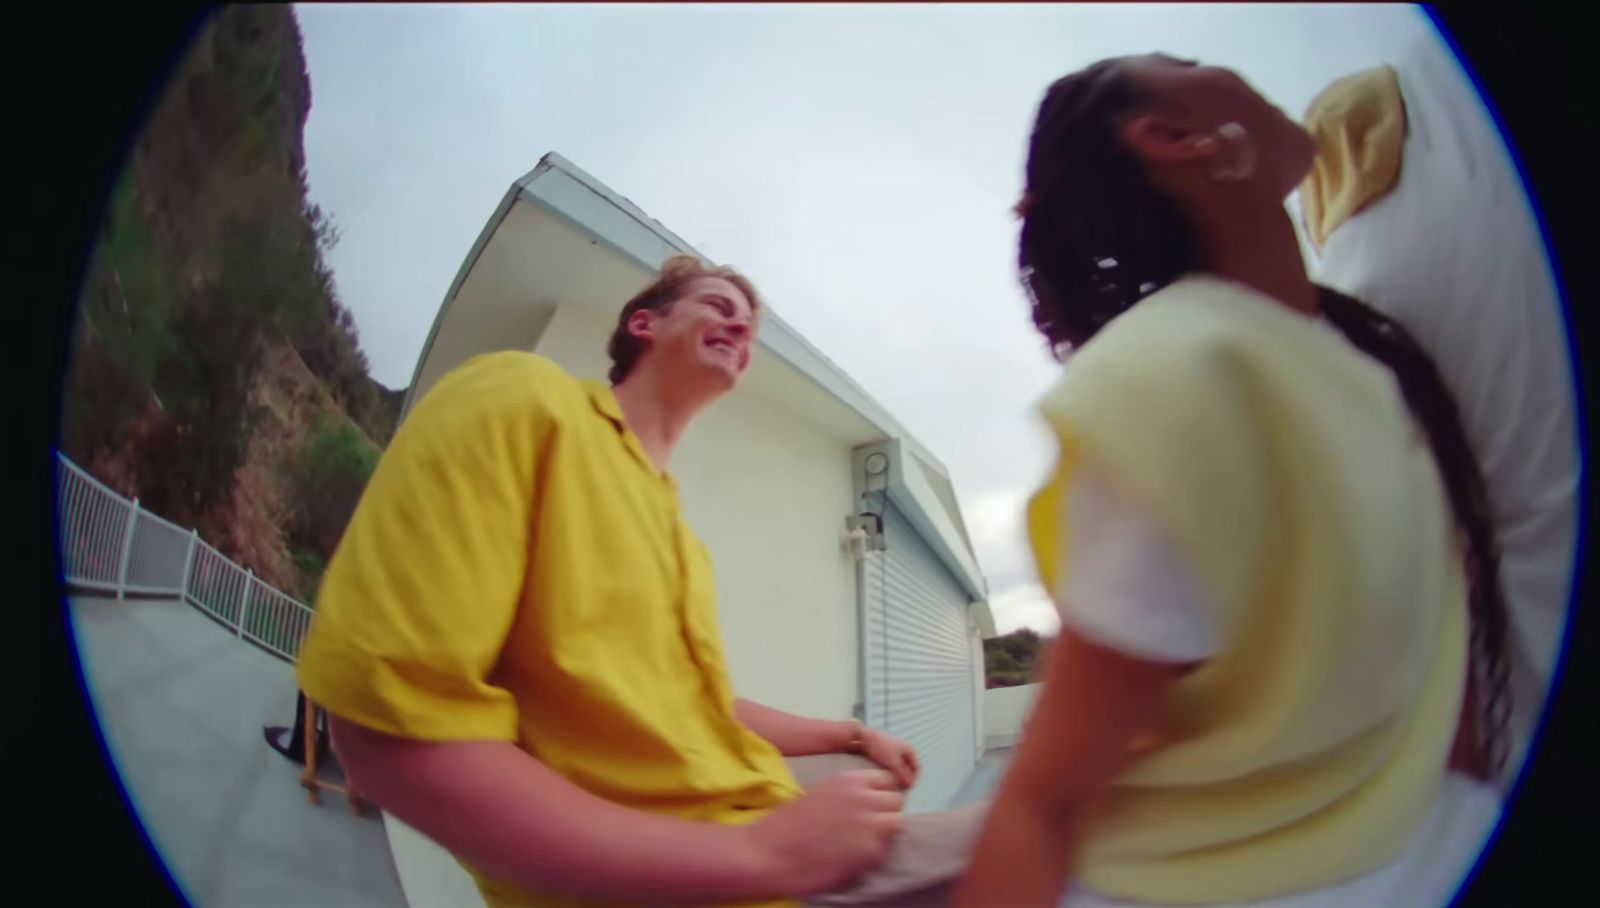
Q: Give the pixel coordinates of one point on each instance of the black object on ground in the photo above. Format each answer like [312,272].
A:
[294,749]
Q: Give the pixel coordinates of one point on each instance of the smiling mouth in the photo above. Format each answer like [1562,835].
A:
[722,345]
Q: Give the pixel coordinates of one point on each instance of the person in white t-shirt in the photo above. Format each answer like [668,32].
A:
[1153,177]
[1437,232]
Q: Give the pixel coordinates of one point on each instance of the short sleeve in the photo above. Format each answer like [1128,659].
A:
[1168,405]
[420,595]
[1126,587]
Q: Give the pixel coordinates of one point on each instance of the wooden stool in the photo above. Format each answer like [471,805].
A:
[308,776]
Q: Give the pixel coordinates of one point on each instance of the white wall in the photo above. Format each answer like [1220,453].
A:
[1005,709]
[768,491]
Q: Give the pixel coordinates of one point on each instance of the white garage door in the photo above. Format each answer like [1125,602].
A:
[918,660]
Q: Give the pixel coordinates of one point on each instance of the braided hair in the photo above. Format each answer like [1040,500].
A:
[1098,236]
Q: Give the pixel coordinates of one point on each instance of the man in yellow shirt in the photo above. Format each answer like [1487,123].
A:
[517,641]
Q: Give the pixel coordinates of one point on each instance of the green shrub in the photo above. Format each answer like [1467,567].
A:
[1013,658]
[326,482]
[310,566]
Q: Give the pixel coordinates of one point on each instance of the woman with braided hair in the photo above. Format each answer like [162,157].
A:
[1281,674]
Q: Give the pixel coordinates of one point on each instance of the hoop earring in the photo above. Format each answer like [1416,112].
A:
[1241,149]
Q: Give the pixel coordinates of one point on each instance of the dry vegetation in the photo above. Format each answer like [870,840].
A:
[215,374]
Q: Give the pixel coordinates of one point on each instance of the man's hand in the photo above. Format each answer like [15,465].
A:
[892,754]
[795,736]
[833,833]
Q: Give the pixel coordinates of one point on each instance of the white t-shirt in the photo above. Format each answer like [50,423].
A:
[1453,251]
[1129,589]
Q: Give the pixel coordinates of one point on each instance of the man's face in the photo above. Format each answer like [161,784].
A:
[705,336]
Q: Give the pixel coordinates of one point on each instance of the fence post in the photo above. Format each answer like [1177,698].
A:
[244,604]
[188,565]
[127,549]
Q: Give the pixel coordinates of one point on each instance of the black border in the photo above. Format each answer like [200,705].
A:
[1528,66]
[83,79]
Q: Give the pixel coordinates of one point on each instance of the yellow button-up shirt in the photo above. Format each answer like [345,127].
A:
[518,570]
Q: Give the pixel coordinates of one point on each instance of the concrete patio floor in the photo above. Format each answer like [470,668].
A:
[181,702]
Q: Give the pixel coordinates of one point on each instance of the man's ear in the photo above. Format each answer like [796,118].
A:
[642,324]
[1158,138]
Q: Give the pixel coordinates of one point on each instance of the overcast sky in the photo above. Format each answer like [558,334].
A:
[859,163]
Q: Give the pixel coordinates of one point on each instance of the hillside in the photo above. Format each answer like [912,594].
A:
[269,504]
[215,374]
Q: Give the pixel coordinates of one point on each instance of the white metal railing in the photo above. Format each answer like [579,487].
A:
[109,544]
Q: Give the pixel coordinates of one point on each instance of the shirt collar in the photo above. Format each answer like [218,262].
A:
[604,401]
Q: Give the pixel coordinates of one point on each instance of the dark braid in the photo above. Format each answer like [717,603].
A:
[1430,402]
[1097,237]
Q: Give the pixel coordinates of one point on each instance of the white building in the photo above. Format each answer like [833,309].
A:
[772,478]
